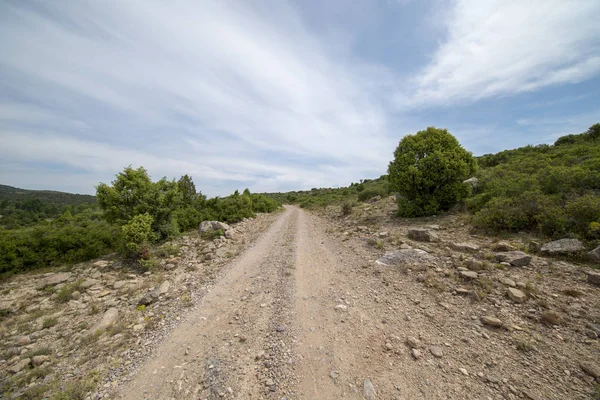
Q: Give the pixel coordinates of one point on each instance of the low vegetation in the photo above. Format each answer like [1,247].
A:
[552,190]
[130,215]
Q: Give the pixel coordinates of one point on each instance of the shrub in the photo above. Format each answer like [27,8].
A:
[136,235]
[428,170]
[346,208]
[552,190]
[49,322]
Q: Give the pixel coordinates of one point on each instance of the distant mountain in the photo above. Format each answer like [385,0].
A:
[13,194]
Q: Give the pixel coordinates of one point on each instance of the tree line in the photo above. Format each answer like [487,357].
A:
[132,213]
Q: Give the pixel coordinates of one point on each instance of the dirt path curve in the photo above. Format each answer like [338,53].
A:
[282,323]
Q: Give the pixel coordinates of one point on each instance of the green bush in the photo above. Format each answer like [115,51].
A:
[137,233]
[64,241]
[428,171]
[552,190]
[346,208]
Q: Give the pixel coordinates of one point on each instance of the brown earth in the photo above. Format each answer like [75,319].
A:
[305,312]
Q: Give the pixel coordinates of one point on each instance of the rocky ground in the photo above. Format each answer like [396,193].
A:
[320,306]
[72,333]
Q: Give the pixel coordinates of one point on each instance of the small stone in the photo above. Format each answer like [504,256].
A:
[552,317]
[109,318]
[491,321]
[531,395]
[436,351]
[514,258]
[465,247]
[423,235]
[416,353]
[516,295]
[475,265]
[334,375]
[389,346]
[138,327]
[280,328]
[269,382]
[463,371]
[504,246]
[119,284]
[76,295]
[413,342]
[468,275]
[508,282]
[369,390]
[39,360]
[591,369]
[24,341]
[341,307]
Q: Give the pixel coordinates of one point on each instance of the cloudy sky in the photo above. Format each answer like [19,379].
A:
[276,96]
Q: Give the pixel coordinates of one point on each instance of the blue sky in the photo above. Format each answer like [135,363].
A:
[277,96]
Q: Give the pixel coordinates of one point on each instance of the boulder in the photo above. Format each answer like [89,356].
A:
[108,319]
[208,226]
[594,255]
[515,258]
[591,369]
[562,246]
[422,235]
[465,247]
[406,257]
[19,366]
[54,279]
[593,277]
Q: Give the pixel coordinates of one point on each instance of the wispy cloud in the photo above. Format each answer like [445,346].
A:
[500,47]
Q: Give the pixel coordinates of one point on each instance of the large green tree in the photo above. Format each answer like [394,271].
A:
[428,171]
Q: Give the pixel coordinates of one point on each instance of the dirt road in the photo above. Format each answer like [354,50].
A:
[307,314]
[269,328]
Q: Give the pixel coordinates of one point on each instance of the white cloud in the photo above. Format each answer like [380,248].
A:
[503,47]
[240,84]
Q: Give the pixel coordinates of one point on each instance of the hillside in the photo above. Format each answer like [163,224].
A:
[548,190]
[13,194]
